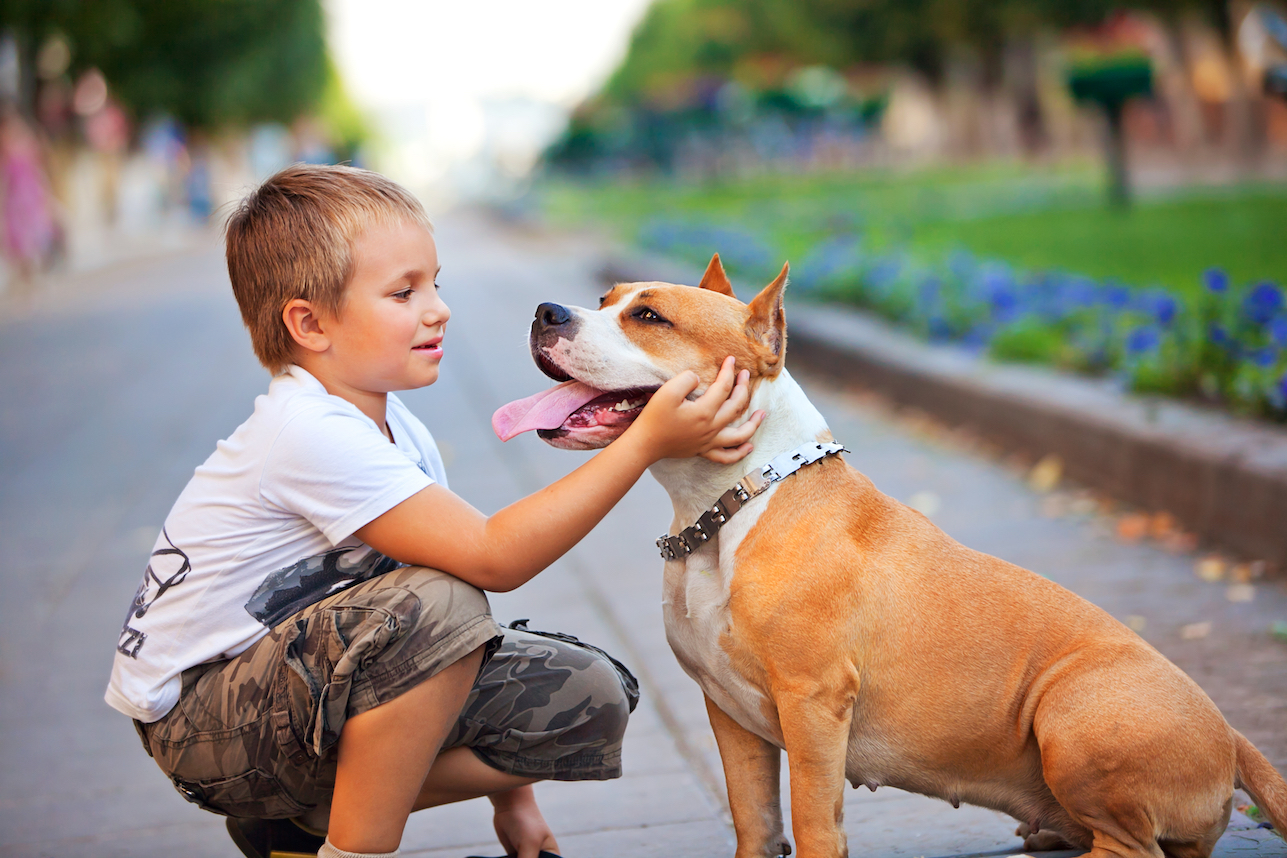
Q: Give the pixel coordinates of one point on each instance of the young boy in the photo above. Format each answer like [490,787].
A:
[282,664]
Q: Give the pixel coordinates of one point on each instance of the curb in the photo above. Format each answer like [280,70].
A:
[1222,477]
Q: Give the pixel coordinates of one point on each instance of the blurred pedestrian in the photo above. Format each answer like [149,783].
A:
[30,227]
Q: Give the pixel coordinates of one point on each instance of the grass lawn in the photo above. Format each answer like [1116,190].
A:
[1047,218]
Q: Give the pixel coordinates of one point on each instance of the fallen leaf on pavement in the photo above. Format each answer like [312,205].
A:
[1196,631]
[1132,528]
[1210,568]
[1161,525]
[1046,474]
[1246,572]
[1180,542]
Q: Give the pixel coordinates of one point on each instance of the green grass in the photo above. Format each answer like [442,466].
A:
[1047,218]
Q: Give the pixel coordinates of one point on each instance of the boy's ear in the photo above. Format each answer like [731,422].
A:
[767,322]
[715,279]
[305,326]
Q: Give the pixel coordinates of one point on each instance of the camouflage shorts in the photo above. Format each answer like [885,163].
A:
[255,736]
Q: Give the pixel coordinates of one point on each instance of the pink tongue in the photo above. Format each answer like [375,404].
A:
[545,410]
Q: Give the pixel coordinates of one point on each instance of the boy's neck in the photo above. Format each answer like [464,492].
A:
[371,403]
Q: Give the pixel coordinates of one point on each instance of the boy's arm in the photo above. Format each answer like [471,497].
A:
[436,528]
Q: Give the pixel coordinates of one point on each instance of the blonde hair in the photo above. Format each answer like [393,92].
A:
[293,236]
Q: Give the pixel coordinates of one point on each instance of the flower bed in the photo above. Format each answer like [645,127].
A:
[1227,343]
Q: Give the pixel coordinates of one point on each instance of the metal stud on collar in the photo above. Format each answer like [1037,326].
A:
[755,483]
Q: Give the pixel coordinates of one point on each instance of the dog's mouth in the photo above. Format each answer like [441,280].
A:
[573,415]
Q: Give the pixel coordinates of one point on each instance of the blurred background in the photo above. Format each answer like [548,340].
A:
[1094,188]
[1100,185]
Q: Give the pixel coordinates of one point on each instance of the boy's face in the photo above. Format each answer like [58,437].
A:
[389,333]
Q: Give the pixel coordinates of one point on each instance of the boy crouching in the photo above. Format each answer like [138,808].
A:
[294,659]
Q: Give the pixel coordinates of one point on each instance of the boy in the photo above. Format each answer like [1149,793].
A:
[282,665]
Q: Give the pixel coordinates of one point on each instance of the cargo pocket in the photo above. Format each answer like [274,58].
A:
[345,640]
[255,794]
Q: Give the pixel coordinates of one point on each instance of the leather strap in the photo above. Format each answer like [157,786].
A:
[755,483]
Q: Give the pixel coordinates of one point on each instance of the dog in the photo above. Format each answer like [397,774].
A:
[828,620]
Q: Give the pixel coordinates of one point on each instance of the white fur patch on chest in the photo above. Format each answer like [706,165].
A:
[695,606]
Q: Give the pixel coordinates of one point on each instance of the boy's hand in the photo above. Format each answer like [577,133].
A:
[519,825]
[674,427]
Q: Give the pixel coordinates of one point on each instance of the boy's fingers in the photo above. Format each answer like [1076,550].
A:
[678,388]
[734,436]
[737,401]
[728,455]
[722,386]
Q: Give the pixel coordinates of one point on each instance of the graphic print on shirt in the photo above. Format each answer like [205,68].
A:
[292,589]
[167,568]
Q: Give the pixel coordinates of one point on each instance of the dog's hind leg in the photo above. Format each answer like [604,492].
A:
[815,729]
[752,768]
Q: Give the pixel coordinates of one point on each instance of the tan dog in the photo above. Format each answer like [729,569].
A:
[831,621]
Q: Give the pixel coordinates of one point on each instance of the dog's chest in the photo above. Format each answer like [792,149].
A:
[696,609]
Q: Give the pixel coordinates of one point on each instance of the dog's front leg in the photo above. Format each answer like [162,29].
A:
[815,730]
[751,768]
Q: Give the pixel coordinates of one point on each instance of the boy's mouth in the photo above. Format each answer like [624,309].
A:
[573,415]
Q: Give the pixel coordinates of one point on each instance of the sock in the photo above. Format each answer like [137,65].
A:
[329,851]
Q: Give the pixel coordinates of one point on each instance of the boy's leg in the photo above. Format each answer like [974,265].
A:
[386,753]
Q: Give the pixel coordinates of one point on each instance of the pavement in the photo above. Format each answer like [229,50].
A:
[115,384]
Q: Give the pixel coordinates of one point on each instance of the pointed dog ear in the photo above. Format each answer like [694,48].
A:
[715,279]
[767,323]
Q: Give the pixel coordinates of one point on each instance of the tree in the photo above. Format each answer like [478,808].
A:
[210,63]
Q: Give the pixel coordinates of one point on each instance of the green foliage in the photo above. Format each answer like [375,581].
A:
[210,63]
[679,40]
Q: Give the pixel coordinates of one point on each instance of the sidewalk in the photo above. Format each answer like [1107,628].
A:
[109,407]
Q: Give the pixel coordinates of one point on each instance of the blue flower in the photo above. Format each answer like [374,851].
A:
[1278,330]
[1216,280]
[1282,387]
[1263,303]
[1142,340]
[1264,358]
[1164,308]
[1117,296]
[1218,335]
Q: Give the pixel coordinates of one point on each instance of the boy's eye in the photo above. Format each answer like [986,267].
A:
[404,294]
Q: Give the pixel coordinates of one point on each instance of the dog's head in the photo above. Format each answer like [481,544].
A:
[611,360]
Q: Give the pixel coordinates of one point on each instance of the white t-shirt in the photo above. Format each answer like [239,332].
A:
[264,529]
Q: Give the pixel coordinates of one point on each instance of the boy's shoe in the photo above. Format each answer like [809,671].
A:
[273,838]
[543,854]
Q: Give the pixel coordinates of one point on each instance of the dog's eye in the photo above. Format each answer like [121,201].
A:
[602,299]
[649,315]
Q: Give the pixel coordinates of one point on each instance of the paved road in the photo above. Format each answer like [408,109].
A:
[120,382]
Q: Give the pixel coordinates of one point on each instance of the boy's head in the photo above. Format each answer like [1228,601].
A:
[293,237]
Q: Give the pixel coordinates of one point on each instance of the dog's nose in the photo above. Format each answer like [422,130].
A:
[553,315]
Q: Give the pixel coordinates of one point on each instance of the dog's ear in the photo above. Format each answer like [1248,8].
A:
[715,279]
[767,323]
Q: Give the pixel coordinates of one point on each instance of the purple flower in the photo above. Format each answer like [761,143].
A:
[1216,280]
[1142,340]
[1263,303]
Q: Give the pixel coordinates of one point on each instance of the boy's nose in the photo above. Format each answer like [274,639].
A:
[552,315]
